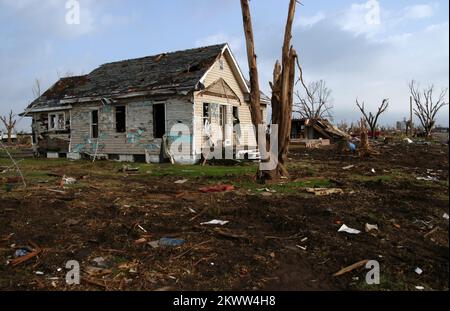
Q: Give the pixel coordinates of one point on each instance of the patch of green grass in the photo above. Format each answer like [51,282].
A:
[363,178]
[194,171]
[386,284]
[286,188]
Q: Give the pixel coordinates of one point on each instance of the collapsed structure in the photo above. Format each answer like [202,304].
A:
[316,132]
[125,110]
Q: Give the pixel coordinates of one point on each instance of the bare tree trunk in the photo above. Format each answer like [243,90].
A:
[9,124]
[255,95]
[282,88]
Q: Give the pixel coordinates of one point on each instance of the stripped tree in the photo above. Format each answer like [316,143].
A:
[9,123]
[372,119]
[282,89]
[427,106]
[315,104]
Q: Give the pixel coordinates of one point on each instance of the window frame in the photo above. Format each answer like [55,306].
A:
[125,119]
[165,119]
[92,125]
[56,128]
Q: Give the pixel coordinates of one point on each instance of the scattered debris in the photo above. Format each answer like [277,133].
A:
[217,188]
[407,140]
[344,228]
[428,178]
[68,181]
[346,168]
[100,262]
[373,171]
[57,191]
[418,271]
[181,181]
[140,227]
[128,168]
[348,269]
[352,147]
[98,272]
[227,234]
[445,216]
[20,253]
[154,244]
[370,227]
[36,251]
[420,288]
[215,222]
[140,241]
[39,273]
[171,242]
[431,232]
[324,191]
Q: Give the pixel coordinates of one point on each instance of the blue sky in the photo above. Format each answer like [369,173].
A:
[357,59]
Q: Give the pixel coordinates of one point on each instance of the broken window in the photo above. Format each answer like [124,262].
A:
[94,124]
[159,120]
[57,121]
[121,125]
[236,115]
[206,114]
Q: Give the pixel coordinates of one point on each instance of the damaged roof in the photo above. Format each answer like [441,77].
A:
[175,72]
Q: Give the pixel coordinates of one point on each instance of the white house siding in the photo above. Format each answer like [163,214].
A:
[230,77]
[138,139]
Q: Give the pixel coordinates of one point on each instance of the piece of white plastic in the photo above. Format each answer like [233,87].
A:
[347,229]
[215,222]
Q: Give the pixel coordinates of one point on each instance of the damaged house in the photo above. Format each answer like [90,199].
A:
[315,132]
[125,110]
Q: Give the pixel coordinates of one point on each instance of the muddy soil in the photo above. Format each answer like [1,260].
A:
[273,241]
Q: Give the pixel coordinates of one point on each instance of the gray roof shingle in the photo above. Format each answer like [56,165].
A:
[176,71]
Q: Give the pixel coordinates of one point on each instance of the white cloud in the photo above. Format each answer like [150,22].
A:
[308,21]
[365,18]
[367,61]
[235,42]
[419,11]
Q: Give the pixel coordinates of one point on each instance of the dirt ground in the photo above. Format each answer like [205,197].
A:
[279,236]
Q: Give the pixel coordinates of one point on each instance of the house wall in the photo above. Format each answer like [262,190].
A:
[222,68]
[138,139]
[50,140]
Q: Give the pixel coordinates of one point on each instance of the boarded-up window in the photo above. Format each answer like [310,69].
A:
[121,125]
[159,120]
[94,124]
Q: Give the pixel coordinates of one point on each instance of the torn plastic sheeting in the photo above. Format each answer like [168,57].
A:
[215,222]
[349,230]
[217,188]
